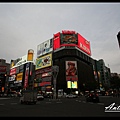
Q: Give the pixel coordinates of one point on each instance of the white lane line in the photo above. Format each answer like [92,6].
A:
[4,98]
[58,102]
[2,104]
[101,103]
[13,103]
[48,102]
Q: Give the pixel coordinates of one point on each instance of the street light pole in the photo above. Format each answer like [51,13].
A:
[55,70]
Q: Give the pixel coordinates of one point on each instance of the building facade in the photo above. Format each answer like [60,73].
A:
[4,74]
[72,54]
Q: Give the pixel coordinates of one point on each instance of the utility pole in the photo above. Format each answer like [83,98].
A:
[55,70]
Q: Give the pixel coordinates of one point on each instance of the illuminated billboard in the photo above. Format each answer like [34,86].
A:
[71,71]
[44,61]
[69,39]
[84,45]
[56,41]
[26,75]
[72,84]
[45,47]
[12,71]
[19,78]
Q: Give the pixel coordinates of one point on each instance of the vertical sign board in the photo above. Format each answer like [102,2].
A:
[30,55]
[26,76]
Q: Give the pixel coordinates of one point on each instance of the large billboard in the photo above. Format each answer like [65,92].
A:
[44,61]
[56,41]
[45,47]
[19,77]
[71,71]
[71,38]
[68,38]
[12,71]
[72,84]
[84,45]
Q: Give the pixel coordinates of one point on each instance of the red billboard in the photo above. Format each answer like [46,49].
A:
[45,83]
[26,76]
[56,41]
[71,38]
[12,71]
[84,45]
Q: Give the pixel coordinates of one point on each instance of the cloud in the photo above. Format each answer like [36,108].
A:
[24,26]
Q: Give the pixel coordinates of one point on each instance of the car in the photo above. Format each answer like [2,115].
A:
[40,97]
[71,96]
[92,96]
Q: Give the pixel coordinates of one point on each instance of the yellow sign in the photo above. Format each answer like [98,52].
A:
[44,61]
[19,76]
[30,55]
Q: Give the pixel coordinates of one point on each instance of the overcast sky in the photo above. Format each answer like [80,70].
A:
[23,26]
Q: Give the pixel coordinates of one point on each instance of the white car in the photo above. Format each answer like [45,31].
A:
[40,97]
[71,96]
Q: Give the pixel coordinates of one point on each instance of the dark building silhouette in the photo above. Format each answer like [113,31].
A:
[118,37]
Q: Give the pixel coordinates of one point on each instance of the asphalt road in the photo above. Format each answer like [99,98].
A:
[10,107]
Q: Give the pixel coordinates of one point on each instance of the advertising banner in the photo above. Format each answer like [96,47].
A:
[56,41]
[44,61]
[12,71]
[72,84]
[26,76]
[45,47]
[12,78]
[71,71]
[45,83]
[30,55]
[19,76]
[44,70]
[69,39]
[84,45]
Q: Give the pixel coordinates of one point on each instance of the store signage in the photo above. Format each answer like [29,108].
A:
[44,61]
[2,68]
[68,32]
[26,76]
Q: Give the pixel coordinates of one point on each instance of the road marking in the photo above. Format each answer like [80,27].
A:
[4,98]
[101,103]
[2,104]
[84,101]
[58,102]
[48,102]
[13,103]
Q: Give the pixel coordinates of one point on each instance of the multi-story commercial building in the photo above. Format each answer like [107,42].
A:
[22,72]
[102,74]
[72,54]
[4,72]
